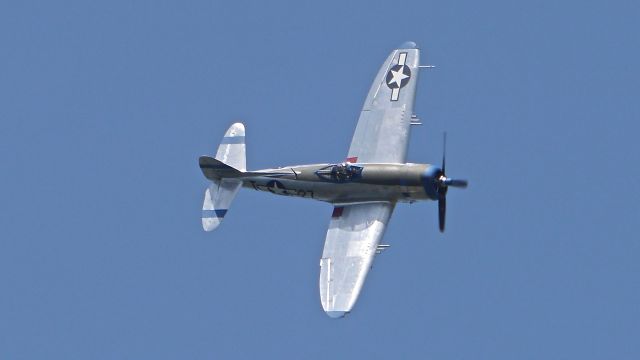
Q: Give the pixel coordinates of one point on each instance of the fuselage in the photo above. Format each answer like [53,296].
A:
[347,183]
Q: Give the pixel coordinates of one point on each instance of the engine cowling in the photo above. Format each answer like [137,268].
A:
[431,182]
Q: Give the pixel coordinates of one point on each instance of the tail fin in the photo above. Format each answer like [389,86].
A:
[232,149]
[229,164]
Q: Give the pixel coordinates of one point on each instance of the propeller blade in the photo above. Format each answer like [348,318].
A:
[442,211]
[444,151]
[442,184]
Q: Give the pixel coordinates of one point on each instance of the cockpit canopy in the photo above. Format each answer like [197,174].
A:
[342,172]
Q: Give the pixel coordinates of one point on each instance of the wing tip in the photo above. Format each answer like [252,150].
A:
[408,45]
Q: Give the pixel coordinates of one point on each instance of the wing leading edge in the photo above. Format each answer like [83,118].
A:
[351,243]
[382,133]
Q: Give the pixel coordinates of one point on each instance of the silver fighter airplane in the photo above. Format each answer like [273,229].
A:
[363,189]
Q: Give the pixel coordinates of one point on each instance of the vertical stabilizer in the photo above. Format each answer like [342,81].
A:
[232,149]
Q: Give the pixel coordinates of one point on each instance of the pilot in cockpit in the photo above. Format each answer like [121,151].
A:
[341,171]
[345,171]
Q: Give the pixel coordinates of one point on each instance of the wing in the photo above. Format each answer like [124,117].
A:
[352,240]
[382,133]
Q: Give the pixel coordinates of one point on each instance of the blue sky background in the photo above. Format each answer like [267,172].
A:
[105,108]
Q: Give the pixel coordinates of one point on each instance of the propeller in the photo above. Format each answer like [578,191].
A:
[443,183]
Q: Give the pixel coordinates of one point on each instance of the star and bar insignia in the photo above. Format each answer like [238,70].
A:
[398,76]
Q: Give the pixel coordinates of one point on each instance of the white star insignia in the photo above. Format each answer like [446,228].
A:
[398,76]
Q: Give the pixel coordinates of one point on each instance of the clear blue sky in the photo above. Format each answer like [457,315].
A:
[105,108]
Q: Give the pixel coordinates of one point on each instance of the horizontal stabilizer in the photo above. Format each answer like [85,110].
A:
[214,169]
[217,200]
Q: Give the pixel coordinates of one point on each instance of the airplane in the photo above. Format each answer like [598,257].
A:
[363,189]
